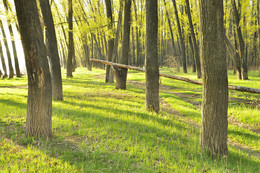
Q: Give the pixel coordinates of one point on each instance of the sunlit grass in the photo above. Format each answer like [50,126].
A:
[99,129]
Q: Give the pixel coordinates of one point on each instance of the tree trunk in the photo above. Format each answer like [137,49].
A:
[3,61]
[54,57]
[71,43]
[111,39]
[11,70]
[17,68]
[151,58]
[215,83]
[121,74]
[183,54]
[258,33]
[195,46]
[39,105]
[241,42]
[192,56]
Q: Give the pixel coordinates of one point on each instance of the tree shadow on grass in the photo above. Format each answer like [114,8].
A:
[127,146]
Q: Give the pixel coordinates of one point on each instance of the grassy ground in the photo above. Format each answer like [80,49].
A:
[99,129]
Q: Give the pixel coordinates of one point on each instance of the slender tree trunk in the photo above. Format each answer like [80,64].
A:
[192,55]
[11,70]
[111,39]
[54,57]
[241,42]
[121,74]
[137,37]
[39,105]
[3,61]
[195,46]
[151,65]
[71,43]
[183,54]
[239,70]
[215,83]
[170,27]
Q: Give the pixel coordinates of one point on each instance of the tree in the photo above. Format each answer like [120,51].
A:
[11,70]
[215,83]
[39,104]
[193,38]
[183,53]
[71,43]
[54,57]
[121,74]
[151,58]
[17,68]
[111,39]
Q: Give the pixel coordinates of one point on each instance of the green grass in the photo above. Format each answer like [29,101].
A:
[99,129]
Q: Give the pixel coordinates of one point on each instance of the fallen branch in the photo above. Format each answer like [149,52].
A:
[230,87]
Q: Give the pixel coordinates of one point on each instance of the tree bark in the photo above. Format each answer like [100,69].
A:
[39,105]
[151,58]
[183,53]
[215,82]
[10,66]
[71,42]
[54,57]
[195,46]
[111,39]
[121,74]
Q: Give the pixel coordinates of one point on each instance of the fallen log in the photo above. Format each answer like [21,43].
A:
[230,87]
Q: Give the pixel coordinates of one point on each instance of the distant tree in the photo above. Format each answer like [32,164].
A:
[10,66]
[111,39]
[183,52]
[16,62]
[121,74]
[54,57]
[215,83]
[71,42]
[151,58]
[39,105]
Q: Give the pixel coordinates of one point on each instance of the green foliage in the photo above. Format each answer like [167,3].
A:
[99,129]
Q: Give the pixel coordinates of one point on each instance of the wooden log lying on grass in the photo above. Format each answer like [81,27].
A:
[230,87]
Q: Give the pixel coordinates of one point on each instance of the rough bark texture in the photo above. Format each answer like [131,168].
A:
[10,66]
[54,57]
[151,58]
[39,105]
[195,46]
[121,74]
[215,83]
[111,39]
[183,53]
[71,45]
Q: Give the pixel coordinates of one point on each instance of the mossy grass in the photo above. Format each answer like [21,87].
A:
[99,129]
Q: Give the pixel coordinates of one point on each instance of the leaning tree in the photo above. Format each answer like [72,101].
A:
[39,104]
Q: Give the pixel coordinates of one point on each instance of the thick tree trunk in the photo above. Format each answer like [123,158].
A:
[151,58]
[54,57]
[215,83]
[183,53]
[258,34]
[241,42]
[71,42]
[195,46]
[111,39]
[39,106]
[121,74]
[10,66]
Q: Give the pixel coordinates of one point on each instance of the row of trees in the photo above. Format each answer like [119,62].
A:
[98,33]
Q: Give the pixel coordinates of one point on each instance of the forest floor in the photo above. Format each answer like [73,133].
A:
[99,129]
